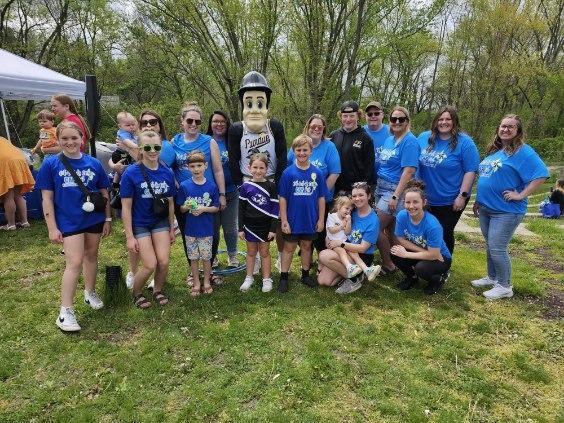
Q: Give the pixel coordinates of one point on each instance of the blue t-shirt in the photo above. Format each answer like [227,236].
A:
[168,156]
[326,158]
[133,186]
[125,135]
[427,233]
[183,148]
[206,195]
[443,169]
[67,197]
[224,156]
[393,158]
[302,189]
[499,172]
[378,138]
[364,229]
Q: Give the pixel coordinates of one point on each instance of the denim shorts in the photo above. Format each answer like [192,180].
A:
[383,194]
[143,231]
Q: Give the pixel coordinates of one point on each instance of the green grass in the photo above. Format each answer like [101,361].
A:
[310,355]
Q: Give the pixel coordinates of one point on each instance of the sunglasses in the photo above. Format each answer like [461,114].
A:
[373,114]
[190,121]
[152,147]
[150,122]
[316,127]
[400,119]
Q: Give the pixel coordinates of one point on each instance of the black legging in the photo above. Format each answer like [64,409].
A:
[448,218]
[428,270]
[181,219]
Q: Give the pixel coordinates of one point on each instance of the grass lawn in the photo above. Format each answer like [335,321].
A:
[377,355]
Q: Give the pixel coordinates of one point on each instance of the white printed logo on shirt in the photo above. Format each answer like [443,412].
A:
[432,158]
[417,240]
[158,188]
[86,175]
[486,169]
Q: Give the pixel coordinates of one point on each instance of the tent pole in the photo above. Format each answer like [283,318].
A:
[5,120]
[92,110]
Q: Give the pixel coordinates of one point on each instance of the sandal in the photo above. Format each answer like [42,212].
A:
[208,289]
[190,281]
[141,302]
[160,298]
[8,227]
[385,271]
[194,292]
[216,279]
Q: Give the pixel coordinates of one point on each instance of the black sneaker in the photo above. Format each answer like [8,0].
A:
[309,281]
[406,284]
[283,285]
[433,287]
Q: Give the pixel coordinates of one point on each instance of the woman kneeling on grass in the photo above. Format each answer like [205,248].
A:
[362,239]
[149,231]
[422,251]
[72,218]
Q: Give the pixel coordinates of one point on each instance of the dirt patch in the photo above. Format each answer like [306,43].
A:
[549,261]
[34,277]
[552,304]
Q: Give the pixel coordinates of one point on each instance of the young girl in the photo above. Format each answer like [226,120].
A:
[422,251]
[338,229]
[148,234]
[258,218]
[72,221]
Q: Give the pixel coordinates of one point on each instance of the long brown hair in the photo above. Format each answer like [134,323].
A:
[451,110]
[65,100]
[151,112]
[322,119]
[514,144]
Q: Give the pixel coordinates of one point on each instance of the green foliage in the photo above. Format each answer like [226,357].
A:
[551,150]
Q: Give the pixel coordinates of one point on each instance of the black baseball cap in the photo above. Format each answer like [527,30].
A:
[349,106]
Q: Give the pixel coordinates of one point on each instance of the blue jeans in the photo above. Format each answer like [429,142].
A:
[497,229]
[227,219]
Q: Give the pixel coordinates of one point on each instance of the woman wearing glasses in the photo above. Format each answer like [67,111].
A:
[398,162]
[149,235]
[511,172]
[149,120]
[448,163]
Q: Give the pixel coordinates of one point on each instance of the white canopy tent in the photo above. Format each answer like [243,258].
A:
[21,79]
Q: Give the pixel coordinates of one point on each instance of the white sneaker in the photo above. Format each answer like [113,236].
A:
[278,264]
[372,271]
[66,321]
[498,292]
[257,265]
[485,281]
[246,285]
[93,300]
[151,284]
[353,270]
[348,287]
[267,285]
[129,280]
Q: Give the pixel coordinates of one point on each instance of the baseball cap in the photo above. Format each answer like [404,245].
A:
[373,104]
[349,106]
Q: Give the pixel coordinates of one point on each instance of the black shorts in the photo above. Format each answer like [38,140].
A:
[368,259]
[299,237]
[94,229]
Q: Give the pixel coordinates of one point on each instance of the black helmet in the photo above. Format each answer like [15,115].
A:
[254,81]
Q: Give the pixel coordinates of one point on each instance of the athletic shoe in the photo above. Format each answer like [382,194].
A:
[372,271]
[151,284]
[353,270]
[233,261]
[129,280]
[485,281]
[406,283]
[256,270]
[348,287]
[498,292]
[66,321]
[267,285]
[283,285]
[309,281]
[93,300]
[246,284]
[433,287]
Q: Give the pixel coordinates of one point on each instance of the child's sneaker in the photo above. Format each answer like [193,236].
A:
[267,285]
[92,299]
[246,285]
[66,321]
[129,280]
[283,285]
[353,270]
[372,271]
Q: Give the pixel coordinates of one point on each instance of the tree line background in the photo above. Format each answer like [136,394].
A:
[486,57]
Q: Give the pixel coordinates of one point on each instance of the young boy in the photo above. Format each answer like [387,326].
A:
[47,143]
[127,145]
[302,190]
[199,198]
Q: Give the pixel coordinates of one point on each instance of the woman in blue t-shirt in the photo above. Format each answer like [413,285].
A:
[447,164]
[148,235]
[398,159]
[227,218]
[362,239]
[72,220]
[510,172]
[421,251]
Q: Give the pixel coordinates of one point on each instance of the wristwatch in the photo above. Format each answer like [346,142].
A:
[222,193]
[394,197]
[463,194]
[342,245]
[108,219]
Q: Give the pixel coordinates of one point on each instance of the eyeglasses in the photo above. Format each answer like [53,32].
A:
[190,121]
[396,119]
[152,147]
[507,127]
[373,114]
[316,127]
[150,122]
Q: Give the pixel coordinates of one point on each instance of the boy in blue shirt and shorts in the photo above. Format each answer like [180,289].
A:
[302,190]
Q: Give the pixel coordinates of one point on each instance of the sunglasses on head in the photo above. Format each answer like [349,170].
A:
[151,147]
[149,122]
[360,185]
[396,119]
[373,114]
[190,121]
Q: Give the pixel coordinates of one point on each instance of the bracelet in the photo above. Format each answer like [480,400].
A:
[222,193]
[108,219]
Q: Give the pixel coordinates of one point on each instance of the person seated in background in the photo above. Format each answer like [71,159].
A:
[557,194]
[47,143]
